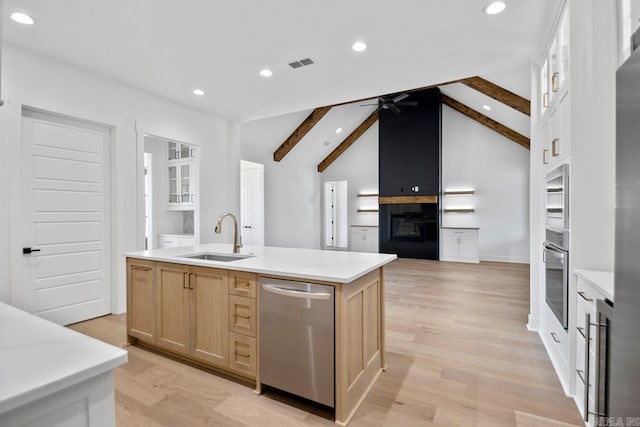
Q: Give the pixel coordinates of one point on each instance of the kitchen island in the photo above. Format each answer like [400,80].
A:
[54,376]
[206,311]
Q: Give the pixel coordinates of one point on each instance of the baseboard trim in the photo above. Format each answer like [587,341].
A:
[532,323]
[512,259]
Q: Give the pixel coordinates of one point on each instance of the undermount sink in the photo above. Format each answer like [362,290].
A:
[217,257]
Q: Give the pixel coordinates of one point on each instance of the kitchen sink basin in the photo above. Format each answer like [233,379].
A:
[217,257]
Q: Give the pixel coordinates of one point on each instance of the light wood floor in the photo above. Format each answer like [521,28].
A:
[458,351]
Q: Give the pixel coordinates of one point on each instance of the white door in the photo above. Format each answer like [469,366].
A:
[64,217]
[252,204]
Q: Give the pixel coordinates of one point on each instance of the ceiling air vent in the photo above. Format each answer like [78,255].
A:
[301,63]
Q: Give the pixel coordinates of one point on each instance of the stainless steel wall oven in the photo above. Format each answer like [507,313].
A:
[556,267]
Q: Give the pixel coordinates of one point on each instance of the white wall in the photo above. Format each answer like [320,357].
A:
[474,156]
[291,186]
[39,82]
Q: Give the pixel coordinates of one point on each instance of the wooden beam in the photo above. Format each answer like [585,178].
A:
[300,132]
[500,94]
[394,200]
[490,123]
[353,137]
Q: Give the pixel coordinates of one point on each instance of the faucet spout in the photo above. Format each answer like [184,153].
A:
[237,240]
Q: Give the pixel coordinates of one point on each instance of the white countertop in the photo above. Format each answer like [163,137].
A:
[39,358]
[176,235]
[603,280]
[309,264]
[461,228]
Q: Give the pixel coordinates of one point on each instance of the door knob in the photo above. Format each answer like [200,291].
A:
[26,251]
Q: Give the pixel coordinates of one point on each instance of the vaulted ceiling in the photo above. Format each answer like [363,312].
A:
[168,47]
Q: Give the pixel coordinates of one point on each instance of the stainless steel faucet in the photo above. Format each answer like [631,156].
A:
[237,240]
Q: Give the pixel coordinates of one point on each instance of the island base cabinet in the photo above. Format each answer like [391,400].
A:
[359,342]
[141,298]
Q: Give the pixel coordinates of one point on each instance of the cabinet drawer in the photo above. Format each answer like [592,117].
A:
[242,315]
[448,232]
[242,354]
[242,284]
[168,242]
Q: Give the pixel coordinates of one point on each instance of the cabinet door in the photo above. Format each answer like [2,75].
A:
[468,248]
[186,195]
[173,196]
[210,305]
[173,300]
[141,308]
[449,246]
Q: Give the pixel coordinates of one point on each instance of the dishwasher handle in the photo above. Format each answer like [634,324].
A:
[296,294]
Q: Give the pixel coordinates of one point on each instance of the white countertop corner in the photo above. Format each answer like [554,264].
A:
[39,358]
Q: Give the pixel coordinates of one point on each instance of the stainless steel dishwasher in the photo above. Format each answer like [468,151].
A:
[297,338]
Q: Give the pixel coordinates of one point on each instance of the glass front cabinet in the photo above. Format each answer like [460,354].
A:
[180,169]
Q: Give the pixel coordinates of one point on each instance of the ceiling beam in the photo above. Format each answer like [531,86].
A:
[353,137]
[490,123]
[500,94]
[300,132]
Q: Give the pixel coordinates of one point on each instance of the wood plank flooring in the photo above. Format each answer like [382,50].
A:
[458,354]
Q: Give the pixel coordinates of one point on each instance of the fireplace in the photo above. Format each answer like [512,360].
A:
[409,230]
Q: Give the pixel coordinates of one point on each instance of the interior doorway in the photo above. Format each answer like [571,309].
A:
[252,203]
[335,215]
[61,252]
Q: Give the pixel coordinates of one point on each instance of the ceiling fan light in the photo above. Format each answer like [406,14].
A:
[494,8]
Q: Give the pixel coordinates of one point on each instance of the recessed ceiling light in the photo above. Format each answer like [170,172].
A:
[326,143]
[198,92]
[265,72]
[359,46]
[22,18]
[338,130]
[494,8]
[486,107]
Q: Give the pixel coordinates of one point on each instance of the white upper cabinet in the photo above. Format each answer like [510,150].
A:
[180,172]
[554,71]
[628,23]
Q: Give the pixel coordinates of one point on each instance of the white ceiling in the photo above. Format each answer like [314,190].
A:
[169,47]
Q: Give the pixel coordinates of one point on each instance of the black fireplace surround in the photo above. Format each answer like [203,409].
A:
[409,230]
[409,167]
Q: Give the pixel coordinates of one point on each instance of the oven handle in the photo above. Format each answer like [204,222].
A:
[561,254]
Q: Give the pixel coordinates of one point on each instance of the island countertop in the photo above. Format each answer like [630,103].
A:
[39,358]
[310,264]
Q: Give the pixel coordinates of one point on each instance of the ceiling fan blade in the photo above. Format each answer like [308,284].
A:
[410,103]
[366,105]
[395,109]
[400,97]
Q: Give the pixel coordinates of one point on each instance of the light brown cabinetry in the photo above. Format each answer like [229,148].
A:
[209,327]
[173,301]
[243,322]
[188,310]
[192,311]
[141,300]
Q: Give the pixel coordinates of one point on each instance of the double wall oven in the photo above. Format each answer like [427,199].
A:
[556,246]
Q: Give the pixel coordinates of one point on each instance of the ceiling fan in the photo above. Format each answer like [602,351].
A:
[387,102]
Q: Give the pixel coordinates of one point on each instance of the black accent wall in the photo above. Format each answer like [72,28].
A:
[410,147]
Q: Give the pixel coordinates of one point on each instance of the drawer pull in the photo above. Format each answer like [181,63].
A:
[581,332]
[237,353]
[554,336]
[580,373]
[584,297]
[241,316]
[243,284]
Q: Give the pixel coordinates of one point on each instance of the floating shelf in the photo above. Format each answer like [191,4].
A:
[459,193]
[407,199]
[459,210]
[367,195]
[367,210]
